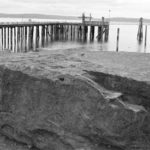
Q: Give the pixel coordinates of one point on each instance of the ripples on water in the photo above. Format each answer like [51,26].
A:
[128,41]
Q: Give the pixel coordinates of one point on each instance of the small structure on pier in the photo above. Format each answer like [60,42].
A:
[84,18]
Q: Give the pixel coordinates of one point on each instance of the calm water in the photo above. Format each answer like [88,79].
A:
[128,41]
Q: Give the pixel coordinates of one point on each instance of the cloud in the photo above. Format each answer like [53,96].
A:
[75,7]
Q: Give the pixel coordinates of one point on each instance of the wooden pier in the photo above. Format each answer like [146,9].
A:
[27,36]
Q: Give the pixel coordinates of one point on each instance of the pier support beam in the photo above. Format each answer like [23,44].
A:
[2,33]
[106,33]
[140,30]
[43,36]
[13,39]
[4,38]
[79,32]
[37,37]
[9,38]
[92,31]
[52,32]
[1,39]
[25,38]
[99,33]
[84,32]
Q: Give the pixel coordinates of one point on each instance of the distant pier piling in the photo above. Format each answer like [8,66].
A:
[145,35]
[117,44]
[140,30]
[92,31]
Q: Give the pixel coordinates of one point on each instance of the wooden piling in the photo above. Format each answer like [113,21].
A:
[22,49]
[56,32]
[34,38]
[43,36]
[61,32]
[46,35]
[71,31]
[66,32]
[74,32]
[1,44]
[4,38]
[140,30]
[145,35]
[10,38]
[2,30]
[28,39]
[40,36]
[69,35]
[49,33]
[99,33]
[19,39]
[102,29]
[25,38]
[11,47]
[117,46]
[13,39]
[31,37]
[106,33]
[85,31]
[22,39]
[16,39]
[7,36]
[52,32]
[92,30]
[37,37]
[79,32]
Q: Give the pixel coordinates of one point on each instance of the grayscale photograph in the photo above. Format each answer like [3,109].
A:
[74,75]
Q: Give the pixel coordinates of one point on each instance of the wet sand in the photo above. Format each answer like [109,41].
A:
[129,68]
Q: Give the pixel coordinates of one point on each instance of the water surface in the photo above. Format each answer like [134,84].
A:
[127,43]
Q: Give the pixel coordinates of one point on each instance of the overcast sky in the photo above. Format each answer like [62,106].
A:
[98,8]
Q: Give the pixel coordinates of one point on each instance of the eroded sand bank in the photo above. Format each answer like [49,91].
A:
[75,100]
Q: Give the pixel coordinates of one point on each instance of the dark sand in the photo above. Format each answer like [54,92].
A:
[135,66]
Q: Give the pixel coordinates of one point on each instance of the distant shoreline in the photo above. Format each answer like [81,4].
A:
[15,19]
[56,17]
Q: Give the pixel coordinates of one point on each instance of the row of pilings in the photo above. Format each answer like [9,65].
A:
[26,38]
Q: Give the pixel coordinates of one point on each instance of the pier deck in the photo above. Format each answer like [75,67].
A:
[35,23]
